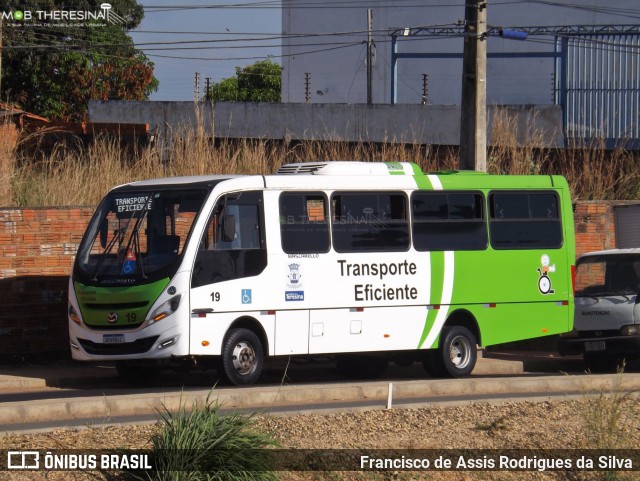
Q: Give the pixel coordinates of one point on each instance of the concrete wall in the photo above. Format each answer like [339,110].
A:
[38,247]
[429,124]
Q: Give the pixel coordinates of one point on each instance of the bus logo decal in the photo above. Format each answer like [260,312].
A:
[112,317]
[544,282]
[246,296]
[294,276]
[294,296]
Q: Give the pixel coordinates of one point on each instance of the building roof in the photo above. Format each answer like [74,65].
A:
[7,110]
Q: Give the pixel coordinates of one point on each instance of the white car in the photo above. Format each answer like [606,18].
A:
[606,326]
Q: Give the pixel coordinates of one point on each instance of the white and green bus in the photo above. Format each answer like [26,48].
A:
[368,262]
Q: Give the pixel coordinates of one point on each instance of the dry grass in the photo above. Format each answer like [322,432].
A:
[595,173]
[81,175]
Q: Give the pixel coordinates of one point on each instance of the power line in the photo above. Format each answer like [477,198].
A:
[258,57]
[355,4]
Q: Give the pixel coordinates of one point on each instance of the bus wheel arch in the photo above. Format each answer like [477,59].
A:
[252,324]
[456,354]
[243,352]
[464,318]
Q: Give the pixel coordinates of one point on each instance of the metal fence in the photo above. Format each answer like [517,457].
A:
[599,89]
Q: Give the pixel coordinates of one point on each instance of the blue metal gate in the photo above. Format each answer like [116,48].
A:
[599,89]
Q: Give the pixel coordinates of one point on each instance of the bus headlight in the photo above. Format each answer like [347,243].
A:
[73,315]
[630,330]
[164,310]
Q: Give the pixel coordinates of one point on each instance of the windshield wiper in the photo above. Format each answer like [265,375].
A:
[135,240]
[118,234]
[623,294]
[611,292]
[136,249]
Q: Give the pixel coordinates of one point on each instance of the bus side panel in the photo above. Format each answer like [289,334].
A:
[291,332]
[516,295]
[208,331]
[369,329]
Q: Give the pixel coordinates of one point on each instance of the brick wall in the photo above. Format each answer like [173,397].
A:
[594,224]
[38,246]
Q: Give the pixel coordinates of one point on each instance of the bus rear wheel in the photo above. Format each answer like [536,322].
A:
[242,357]
[457,354]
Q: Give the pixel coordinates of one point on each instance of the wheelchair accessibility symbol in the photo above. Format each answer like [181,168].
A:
[246,296]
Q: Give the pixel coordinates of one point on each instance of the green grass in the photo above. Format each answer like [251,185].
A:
[201,444]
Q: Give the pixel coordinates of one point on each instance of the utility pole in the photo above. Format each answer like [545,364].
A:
[425,89]
[369,56]
[207,85]
[473,108]
[0,58]
[196,87]
[307,87]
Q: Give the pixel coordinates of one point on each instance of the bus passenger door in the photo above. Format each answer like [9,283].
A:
[225,282]
[292,332]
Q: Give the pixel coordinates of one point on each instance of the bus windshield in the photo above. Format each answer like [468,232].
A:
[138,236]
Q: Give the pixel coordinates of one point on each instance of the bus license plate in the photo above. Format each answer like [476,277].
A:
[594,346]
[113,338]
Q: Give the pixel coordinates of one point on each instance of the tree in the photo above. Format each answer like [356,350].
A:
[259,82]
[54,62]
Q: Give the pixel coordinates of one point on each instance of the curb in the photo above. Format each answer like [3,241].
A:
[260,398]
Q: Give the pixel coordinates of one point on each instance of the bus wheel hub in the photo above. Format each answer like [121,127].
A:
[243,357]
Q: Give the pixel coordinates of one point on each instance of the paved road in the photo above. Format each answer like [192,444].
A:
[72,395]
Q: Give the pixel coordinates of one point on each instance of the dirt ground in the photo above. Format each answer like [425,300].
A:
[599,421]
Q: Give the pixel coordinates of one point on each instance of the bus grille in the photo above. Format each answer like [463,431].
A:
[117,306]
[138,346]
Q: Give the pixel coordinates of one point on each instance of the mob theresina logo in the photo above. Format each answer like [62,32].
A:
[24,16]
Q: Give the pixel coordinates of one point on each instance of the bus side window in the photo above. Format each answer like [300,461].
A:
[369,221]
[232,246]
[525,220]
[444,221]
[304,227]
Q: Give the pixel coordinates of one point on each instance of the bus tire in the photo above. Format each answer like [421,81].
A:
[242,357]
[457,354]
[430,363]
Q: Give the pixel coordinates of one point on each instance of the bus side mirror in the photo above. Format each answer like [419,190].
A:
[228,228]
[104,229]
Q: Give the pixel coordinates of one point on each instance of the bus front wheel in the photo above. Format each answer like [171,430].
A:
[242,357]
[457,354]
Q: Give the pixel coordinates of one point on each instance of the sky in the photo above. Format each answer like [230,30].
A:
[170,21]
